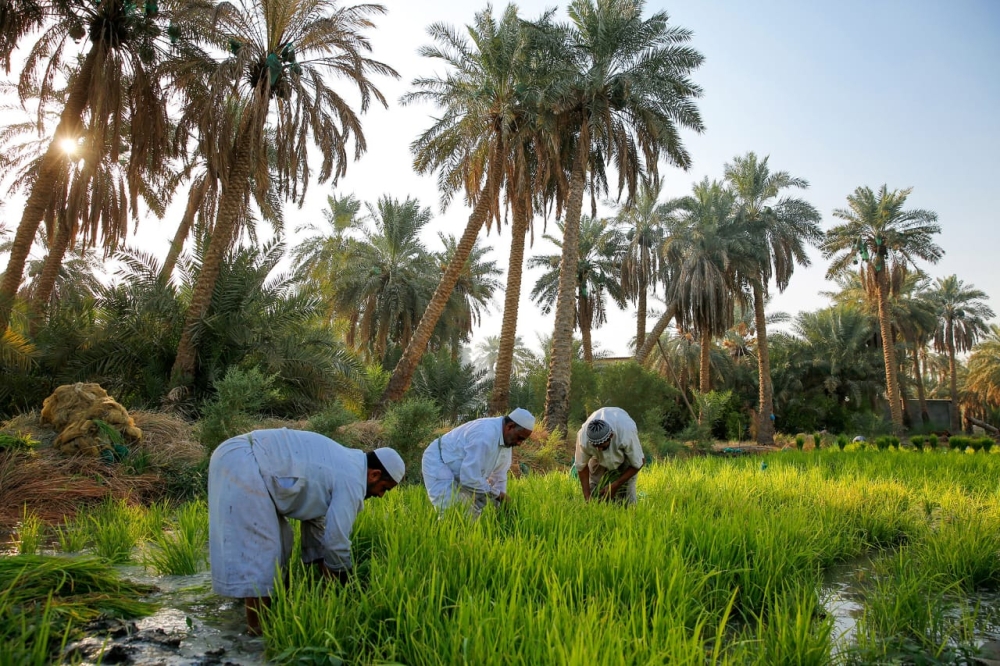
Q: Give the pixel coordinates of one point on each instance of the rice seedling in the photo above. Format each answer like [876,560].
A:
[115,530]
[800,441]
[932,440]
[73,535]
[719,562]
[44,599]
[29,533]
[817,440]
[182,549]
[842,441]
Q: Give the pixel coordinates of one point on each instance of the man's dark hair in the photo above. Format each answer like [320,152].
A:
[375,463]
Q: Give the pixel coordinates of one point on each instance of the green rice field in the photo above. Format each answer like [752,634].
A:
[816,557]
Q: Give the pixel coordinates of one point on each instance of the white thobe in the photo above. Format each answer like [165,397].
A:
[257,481]
[470,459]
[625,444]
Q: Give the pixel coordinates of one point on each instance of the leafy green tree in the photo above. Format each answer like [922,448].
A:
[625,92]
[597,276]
[983,381]
[381,283]
[780,228]
[476,145]
[887,239]
[709,252]
[962,316]
[118,86]
[278,55]
[643,227]
[472,294]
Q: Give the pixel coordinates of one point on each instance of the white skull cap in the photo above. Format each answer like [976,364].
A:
[392,462]
[523,418]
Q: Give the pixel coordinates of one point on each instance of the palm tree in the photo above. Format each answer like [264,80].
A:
[117,85]
[641,271]
[887,239]
[780,228]
[983,381]
[597,275]
[279,54]
[381,283]
[962,315]
[911,311]
[476,145]
[626,91]
[17,19]
[472,293]
[709,252]
[488,353]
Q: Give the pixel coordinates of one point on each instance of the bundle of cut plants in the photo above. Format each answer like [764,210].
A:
[88,421]
[44,598]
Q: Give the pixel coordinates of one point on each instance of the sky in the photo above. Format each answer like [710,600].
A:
[898,92]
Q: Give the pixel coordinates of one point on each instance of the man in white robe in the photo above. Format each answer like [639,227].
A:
[469,464]
[258,480]
[609,455]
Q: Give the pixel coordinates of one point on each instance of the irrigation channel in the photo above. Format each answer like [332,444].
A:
[829,557]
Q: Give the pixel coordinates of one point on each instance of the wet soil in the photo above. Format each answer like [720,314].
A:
[193,627]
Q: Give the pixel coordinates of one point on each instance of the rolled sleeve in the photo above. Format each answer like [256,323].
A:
[582,455]
[633,452]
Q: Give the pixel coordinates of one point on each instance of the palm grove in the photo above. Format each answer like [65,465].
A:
[232,109]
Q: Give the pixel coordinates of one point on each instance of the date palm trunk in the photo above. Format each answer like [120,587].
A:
[888,352]
[956,425]
[183,229]
[705,365]
[643,351]
[50,270]
[560,365]
[925,416]
[765,426]
[586,319]
[402,375]
[70,125]
[233,195]
[640,315]
[499,402]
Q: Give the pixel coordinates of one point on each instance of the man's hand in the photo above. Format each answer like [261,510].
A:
[607,492]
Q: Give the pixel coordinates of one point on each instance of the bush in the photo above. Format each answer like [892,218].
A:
[869,424]
[918,441]
[842,441]
[800,441]
[331,419]
[238,396]
[817,440]
[932,441]
[409,426]
[959,442]
[460,391]
[639,392]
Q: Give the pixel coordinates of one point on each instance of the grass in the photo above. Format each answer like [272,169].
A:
[721,562]
[73,536]
[183,549]
[29,532]
[44,600]
[116,528]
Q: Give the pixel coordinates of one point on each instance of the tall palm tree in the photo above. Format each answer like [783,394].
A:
[626,92]
[962,315]
[780,227]
[279,54]
[116,89]
[488,353]
[983,381]
[911,311]
[17,19]
[597,276]
[710,252]
[486,111]
[472,294]
[886,239]
[381,283]
[643,225]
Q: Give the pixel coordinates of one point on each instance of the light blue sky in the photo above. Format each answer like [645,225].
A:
[843,94]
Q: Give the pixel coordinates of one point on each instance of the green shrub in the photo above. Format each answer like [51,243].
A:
[917,441]
[842,441]
[817,440]
[459,390]
[331,419]
[409,426]
[932,441]
[882,443]
[238,396]
[987,443]
[959,442]
[800,442]
[640,392]
[17,441]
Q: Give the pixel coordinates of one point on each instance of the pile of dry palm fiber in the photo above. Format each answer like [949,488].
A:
[77,412]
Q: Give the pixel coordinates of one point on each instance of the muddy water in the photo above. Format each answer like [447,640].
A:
[193,627]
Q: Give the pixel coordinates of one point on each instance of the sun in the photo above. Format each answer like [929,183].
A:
[69,146]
